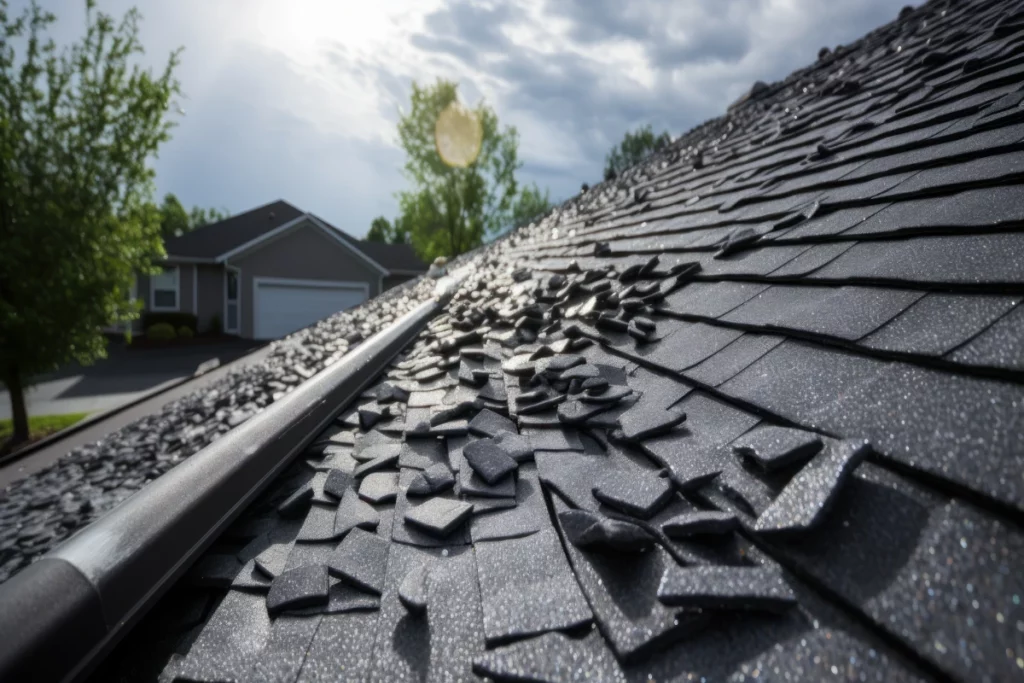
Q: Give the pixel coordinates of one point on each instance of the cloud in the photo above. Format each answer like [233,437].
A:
[298,100]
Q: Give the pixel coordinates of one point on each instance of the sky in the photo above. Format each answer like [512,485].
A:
[299,99]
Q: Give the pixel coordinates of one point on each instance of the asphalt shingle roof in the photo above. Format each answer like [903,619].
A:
[760,401]
[215,239]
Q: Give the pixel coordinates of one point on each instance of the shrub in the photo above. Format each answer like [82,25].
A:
[185,332]
[174,318]
[160,332]
[215,327]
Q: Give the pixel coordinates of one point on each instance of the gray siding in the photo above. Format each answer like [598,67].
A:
[304,253]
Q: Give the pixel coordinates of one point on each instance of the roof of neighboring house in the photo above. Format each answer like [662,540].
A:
[750,411]
[216,239]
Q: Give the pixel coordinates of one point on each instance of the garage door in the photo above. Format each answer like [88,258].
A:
[283,307]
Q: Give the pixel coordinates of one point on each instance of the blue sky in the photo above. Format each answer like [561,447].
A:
[298,99]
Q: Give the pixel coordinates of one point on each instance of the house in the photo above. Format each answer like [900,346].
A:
[270,271]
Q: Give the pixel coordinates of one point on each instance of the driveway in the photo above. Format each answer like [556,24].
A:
[123,376]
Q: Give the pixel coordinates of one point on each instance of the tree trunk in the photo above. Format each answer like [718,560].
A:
[16,389]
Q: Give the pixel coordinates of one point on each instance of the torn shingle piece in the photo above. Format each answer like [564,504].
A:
[337,482]
[435,479]
[643,422]
[806,499]
[298,588]
[591,531]
[379,487]
[386,460]
[773,447]
[360,559]
[620,589]
[400,647]
[404,531]
[298,503]
[721,587]
[700,523]
[527,516]
[489,423]
[354,512]
[438,517]
[376,451]
[422,452]
[412,591]
[472,484]
[319,525]
[745,489]
[271,561]
[527,587]
[574,475]
[639,494]
[552,657]
[489,460]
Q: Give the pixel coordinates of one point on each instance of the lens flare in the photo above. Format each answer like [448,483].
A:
[458,136]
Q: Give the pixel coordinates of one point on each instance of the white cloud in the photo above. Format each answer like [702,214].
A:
[298,99]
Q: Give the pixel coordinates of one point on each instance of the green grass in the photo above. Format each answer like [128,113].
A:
[41,425]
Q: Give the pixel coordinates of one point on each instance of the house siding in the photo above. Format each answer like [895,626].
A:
[304,253]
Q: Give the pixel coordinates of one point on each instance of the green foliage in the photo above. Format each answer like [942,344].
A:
[41,425]
[185,332]
[215,328]
[531,204]
[161,332]
[77,128]
[381,230]
[199,217]
[450,210]
[175,220]
[175,319]
[634,148]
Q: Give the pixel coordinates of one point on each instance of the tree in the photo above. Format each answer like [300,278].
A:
[450,209]
[530,205]
[199,217]
[77,219]
[174,220]
[634,148]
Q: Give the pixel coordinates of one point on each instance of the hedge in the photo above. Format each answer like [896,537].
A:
[175,319]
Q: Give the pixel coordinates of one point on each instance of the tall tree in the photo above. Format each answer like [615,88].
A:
[530,205]
[174,220]
[451,208]
[77,219]
[382,230]
[634,148]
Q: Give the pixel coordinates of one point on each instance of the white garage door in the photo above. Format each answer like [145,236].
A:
[281,307]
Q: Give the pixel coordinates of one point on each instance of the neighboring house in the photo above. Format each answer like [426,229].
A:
[272,270]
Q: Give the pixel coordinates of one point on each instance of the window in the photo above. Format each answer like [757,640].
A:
[164,290]
[230,301]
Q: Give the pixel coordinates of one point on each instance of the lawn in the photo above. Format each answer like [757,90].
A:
[41,425]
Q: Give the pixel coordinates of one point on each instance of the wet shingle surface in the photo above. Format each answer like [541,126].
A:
[836,262]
